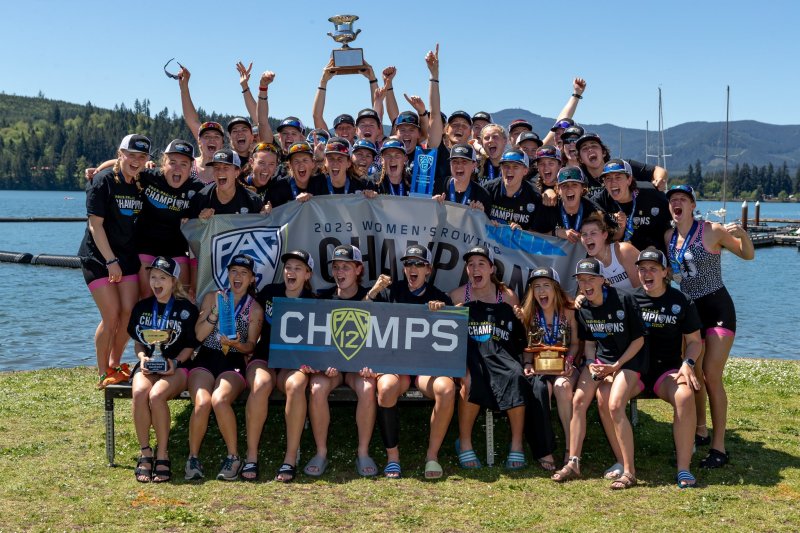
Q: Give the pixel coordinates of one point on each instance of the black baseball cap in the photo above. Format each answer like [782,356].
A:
[300,255]
[226,156]
[407,117]
[652,254]
[291,122]
[572,134]
[544,272]
[167,265]
[338,145]
[685,189]
[346,252]
[590,136]
[239,120]
[520,123]
[529,136]
[562,123]
[135,143]
[462,151]
[459,114]
[479,250]
[179,146]
[343,119]
[482,115]
[417,251]
[368,113]
[243,260]
[590,266]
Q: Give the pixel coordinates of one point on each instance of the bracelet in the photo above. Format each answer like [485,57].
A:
[434,80]
[425,114]
[390,89]
[373,81]
[112,261]
[576,95]
[265,98]
[321,88]
[214,323]
[263,88]
[245,90]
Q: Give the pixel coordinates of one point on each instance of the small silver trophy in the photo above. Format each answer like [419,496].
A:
[156,338]
[346,60]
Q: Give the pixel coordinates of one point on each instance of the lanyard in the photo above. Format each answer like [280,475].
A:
[503,190]
[490,169]
[417,292]
[452,187]
[578,219]
[629,223]
[161,322]
[293,185]
[330,185]
[392,190]
[676,256]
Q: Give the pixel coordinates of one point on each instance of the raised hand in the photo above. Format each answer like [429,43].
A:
[388,75]
[244,73]
[416,102]
[432,59]
[183,77]
[266,78]
[579,85]
[327,73]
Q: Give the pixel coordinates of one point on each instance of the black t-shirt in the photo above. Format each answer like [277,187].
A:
[398,292]
[401,189]
[182,320]
[265,297]
[330,294]
[488,172]
[650,221]
[158,226]
[474,193]
[322,187]
[613,325]
[286,189]
[118,203]
[522,207]
[244,201]
[551,217]
[442,165]
[667,318]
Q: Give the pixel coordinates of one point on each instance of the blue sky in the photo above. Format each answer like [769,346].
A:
[493,55]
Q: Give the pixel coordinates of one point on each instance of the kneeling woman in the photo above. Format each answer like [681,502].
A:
[611,324]
[297,270]
[441,389]
[216,377]
[494,357]
[168,309]
[671,319]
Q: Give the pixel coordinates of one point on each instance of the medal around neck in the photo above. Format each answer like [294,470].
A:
[155,339]
[346,60]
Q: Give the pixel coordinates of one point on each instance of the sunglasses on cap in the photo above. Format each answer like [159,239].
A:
[300,148]
[548,152]
[562,124]
[406,119]
[569,140]
[210,126]
[266,147]
[414,263]
[614,167]
[292,124]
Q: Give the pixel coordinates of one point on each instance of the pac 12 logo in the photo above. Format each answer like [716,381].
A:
[350,330]
[264,245]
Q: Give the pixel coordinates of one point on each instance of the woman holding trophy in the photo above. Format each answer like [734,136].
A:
[162,327]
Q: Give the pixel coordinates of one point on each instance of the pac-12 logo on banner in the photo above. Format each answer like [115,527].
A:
[350,329]
[262,244]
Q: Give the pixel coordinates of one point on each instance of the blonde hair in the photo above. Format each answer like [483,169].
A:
[530,305]
[117,170]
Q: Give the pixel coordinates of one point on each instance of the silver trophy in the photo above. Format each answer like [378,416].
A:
[346,60]
[156,338]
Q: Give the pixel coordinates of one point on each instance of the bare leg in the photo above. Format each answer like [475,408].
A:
[563,390]
[106,297]
[390,387]
[229,386]
[262,381]
[580,404]
[467,414]
[293,384]
[140,406]
[128,296]
[717,351]
[625,387]
[365,409]
[603,396]
[680,395]
[201,383]
[319,411]
[443,391]
[701,396]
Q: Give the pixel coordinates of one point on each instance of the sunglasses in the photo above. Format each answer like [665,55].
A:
[418,264]
[562,124]
[169,74]
[292,124]
[406,119]
[266,147]
[301,148]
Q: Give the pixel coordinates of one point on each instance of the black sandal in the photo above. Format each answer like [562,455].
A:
[715,459]
[162,476]
[144,474]
[286,469]
[249,472]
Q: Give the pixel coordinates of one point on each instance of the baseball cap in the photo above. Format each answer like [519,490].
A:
[338,145]
[343,119]
[301,147]
[479,250]
[548,151]
[685,189]
[482,115]
[393,143]
[617,165]
[291,122]
[515,156]
[368,113]
[206,126]
[520,123]
[243,260]
[459,114]
[652,254]
[417,251]
[226,156]
[300,255]
[562,123]
[571,174]
[462,151]
[179,146]
[322,135]
[590,266]
[135,143]
[529,136]
[366,145]
[167,265]
[239,120]
[346,252]
[544,272]
[407,117]
[572,134]
[586,137]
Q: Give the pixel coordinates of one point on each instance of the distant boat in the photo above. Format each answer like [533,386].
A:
[68,198]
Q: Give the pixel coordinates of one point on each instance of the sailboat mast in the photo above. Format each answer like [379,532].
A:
[725,169]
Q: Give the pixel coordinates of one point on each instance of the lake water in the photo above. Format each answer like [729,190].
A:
[51,321]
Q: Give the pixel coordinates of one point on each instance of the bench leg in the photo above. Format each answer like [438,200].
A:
[634,413]
[109,416]
[489,437]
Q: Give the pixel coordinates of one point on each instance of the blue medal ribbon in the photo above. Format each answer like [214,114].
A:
[629,224]
[578,219]
[392,189]
[503,190]
[293,185]
[676,256]
[417,292]
[452,189]
[550,336]
[161,322]
[330,184]
[490,169]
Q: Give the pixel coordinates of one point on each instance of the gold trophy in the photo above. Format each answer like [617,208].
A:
[346,60]
[155,338]
[546,359]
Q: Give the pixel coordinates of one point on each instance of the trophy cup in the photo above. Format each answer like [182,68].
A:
[546,359]
[346,60]
[155,338]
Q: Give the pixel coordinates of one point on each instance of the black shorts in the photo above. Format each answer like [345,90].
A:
[216,363]
[716,310]
[93,269]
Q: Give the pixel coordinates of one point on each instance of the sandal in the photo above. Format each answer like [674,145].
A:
[467,459]
[686,480]
[144,474]
[625,481]
[715,459]
[286,473]
[392,471]
[433,470]
[516,461]
[567,473]
[249,471]
[547,465]
[366,467]
[702,441]
[163,475]
[613,472]
[317,466]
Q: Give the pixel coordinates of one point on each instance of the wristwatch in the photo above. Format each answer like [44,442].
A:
[689,361]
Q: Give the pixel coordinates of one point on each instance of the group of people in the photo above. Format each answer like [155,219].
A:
[626,330]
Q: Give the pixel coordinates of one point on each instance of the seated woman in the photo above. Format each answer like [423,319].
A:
[494,377]
[617,260]
[297,271]
[348,271]
[547,307]
[216,374]
[611,325]
[672,320]
[167,309]
[415,290]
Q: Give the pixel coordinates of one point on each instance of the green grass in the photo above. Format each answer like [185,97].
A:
[53,473]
